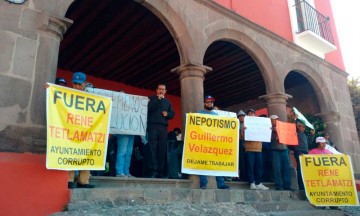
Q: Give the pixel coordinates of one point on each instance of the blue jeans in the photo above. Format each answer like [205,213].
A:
[125,145]
[254,164]
[282,169]
[219,181]
[298,169]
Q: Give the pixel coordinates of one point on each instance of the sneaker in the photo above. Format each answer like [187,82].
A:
[279,189]
[85,185]
[224,187]
[131,176]
[121,175]
[253,187]
[203,187]
[261,187]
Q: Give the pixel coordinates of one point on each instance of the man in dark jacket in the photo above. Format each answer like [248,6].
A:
[160,111]
[302,148]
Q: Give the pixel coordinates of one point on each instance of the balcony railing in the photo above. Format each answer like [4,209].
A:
[310,19]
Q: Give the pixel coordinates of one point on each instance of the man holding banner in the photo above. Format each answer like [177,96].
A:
[208,109]
[303,148]
[280,159]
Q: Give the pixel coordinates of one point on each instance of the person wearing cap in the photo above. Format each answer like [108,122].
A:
[160,111]
[280,159]
[79,82]
[242,162]
[320,147]
[208,109]
[303,148]
[253,152]
[60,81]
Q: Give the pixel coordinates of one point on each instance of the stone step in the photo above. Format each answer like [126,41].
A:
[167,195]
[314,212]
[120,182]
[288,205]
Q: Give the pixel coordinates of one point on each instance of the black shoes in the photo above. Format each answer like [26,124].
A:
[224,187]
[85,185]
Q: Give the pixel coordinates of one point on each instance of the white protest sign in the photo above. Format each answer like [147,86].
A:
[257,129]
[129,112]
[225,113]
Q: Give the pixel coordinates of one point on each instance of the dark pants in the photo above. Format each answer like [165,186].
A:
[157,140]
[254,165]
[282,169]
[267,165]
[174,159]
[298,169]
[242,161]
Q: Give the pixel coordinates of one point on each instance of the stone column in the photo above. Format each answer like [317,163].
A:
[30,42]
[192,88]
[276,103]
[192,98]
[331,120]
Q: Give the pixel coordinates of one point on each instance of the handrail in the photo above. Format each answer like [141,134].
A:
[310,19]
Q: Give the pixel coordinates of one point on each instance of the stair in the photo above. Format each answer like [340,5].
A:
[114,192]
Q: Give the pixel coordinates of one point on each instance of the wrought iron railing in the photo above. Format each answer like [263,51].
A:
[310,19]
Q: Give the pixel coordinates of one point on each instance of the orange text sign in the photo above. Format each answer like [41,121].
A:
[286,133]
[329,180]
[77,129]
[211,145]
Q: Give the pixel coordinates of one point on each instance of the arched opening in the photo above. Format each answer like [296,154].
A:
[304,95]
[121,45]
[236,80]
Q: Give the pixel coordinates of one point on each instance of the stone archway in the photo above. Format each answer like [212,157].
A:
[267,69]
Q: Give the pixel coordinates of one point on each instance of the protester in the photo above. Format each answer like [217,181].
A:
[242,159]
[320,147]
[208,109]
[160,111]
[60,81]
[254,160]
[267,174]
[79,82]
[125,144]
[178,134]
[328,141]
[280,159]
[303,148]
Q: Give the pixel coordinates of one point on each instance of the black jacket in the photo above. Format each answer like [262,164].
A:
[155,108]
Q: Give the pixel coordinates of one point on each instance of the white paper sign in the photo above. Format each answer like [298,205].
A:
[129,112]
[257,129]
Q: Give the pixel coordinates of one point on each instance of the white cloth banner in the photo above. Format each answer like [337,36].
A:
[129,112]
[302,118]
[225,113]
[257,129]
[332,149]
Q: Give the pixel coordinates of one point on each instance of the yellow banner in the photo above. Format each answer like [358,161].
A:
[329,180]
[211,145]
[77,129]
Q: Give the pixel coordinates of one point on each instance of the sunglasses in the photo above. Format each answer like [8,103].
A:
[209,102]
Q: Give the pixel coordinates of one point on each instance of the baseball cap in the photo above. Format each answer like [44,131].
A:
[274,117]
[60,80]
[79,77]
[209,98]
[320,140]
